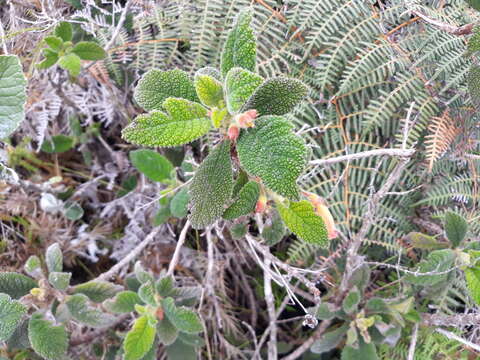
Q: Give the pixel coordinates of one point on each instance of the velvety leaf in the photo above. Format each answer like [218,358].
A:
[33,266]
[156,86]
[11,313]
[179,203]
[12,94]
[472,275]
[81,311]
[139,339]
[324,312]
[150,163]
[97,291]
[274,153]
[239,49]
[50,59]
[16,285]
[301,219]
[245,202]
[147,294]
[54,42]
[191,339]
[48,341]
[474,41]
[277,96]
[455,227]
[330,340]
[164,286]
[436,261]
[64,31]
[144,276]
[182,318]
[167,333]
[473,83]
[59,280]
[70,62]
[186,121]
[209,87]
[123,302]
[211,187]
[72,210]
[240,85]
[54,258]
[19,338]
[88,50]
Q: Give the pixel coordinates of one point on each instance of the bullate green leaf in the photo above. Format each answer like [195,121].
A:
[186,121]
[240,85]
[274,153]
[211,187]
[301,219]
[245,202]
[12,94]
[156,85]
[240,49]
[277,96]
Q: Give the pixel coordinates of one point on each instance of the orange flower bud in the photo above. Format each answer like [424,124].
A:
[261,204]
[233,132]
[246,119]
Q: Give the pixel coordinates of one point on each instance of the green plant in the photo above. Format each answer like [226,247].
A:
[36,310]
[257,159]
[68,55]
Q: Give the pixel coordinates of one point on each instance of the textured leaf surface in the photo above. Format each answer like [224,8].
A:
[97,291]
[179,203]
[182,318]
[33,266]
[350,303]
[164,286]
[436,261]
[245,202]
[186,121]
[147,293]
[474,41]
[150,163]
[48,341]
[155,86]
[473,83]
[472,275]
[455,227]
[123,302]
[64,31]
[139,339]
[240,47]
[167,333]
[277,96]
[301,219]
[16,285]
[240,85]
[88,50]
[211,187]
[54,258]
[81,311]
[59,280]
[12,94]
[11,313]
[274,153]
[208,86]
[71,62]
[54,42]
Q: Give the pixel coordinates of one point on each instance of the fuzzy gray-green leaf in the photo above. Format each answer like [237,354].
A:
[48,341]
[16,285]
[11,313]
[274,153]
[240,85]
[155,86]
[245,202]
[211,187]
[97,291]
